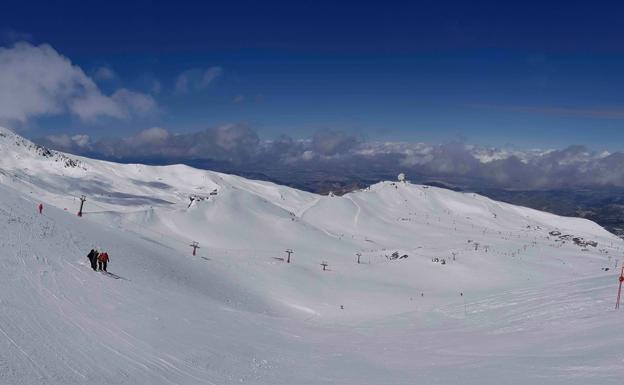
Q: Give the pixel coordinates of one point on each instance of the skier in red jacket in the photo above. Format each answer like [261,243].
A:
[40,207]
[103,260]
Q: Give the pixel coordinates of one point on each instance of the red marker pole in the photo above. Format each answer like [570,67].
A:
[621,279]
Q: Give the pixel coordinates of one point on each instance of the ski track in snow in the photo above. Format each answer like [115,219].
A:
[301,212]
[356,218]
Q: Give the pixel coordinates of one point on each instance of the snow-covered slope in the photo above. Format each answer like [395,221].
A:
[245,226]
[474,278]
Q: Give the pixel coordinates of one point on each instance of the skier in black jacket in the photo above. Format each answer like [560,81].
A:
[93,259]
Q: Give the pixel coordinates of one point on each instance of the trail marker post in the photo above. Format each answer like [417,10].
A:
[82,201]
[358,256]
[289,251]
[621,279]
[195,246]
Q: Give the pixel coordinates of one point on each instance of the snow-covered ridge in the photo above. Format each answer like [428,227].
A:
[13,145]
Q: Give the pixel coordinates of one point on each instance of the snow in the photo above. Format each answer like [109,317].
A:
[523,306]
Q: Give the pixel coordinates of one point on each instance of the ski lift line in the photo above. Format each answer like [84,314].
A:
[214,250]
[185,243]
[169,237]
[143,227]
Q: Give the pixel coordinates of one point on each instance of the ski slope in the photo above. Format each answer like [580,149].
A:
[517,300]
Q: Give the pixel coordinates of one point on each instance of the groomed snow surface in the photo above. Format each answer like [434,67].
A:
[516,301]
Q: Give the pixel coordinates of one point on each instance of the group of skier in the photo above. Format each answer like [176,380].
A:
[98,259]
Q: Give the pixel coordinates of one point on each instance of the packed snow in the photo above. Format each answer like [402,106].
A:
[451,288]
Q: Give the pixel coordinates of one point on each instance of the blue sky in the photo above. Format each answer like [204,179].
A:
[528,74]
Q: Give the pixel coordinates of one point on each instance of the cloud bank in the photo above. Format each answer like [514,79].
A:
[334,154]
[37,81]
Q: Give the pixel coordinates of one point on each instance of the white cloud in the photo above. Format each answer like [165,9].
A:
[308,155]
[104,73]
[65,141]
[134,101]
[210,75]
[150,136]
[196,79]
[81,140]
[37,81]
[60,141]
[92,105]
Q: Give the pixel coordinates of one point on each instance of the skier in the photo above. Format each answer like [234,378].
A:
[93,259]
[103,260]
[40,208]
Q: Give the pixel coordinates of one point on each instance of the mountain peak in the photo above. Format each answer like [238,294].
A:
[19,148]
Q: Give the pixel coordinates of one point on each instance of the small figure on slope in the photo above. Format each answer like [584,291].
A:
[40,207]
[102,261]
[93,259]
